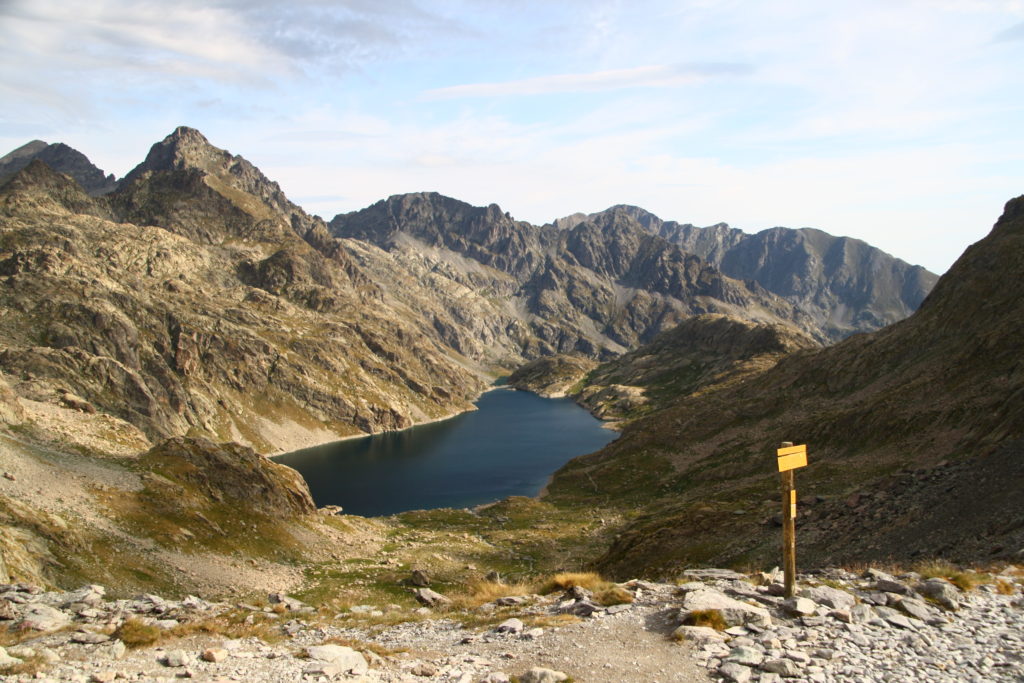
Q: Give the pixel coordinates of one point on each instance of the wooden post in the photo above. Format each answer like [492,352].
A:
[789,527]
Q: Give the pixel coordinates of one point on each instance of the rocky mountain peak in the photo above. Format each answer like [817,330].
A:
[63,159]
[184,148]
[28,150]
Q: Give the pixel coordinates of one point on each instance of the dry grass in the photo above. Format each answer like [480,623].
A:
[1004,587]
[232,625]
[550,620]
[706,617]
[482,592]
[136,633]
[27,666]
[566,580]
[364,646]
[963,579]
[605,592]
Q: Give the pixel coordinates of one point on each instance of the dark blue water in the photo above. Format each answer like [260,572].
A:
[509,446]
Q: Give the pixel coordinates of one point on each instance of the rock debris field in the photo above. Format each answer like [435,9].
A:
[840,627]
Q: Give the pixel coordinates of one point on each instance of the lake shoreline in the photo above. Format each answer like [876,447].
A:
[509,446]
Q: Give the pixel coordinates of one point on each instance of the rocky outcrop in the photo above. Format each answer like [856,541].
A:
[231,474]
[552,376]
[845,285]
[943,384]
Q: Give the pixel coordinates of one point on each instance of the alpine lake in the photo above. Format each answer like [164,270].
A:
[509,446]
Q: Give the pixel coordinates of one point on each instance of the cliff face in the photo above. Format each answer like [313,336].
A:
[197,299]
[844,285]
[944,385]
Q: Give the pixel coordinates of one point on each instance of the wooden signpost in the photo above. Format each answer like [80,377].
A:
[790,458]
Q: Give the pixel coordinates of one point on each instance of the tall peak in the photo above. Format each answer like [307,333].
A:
[184,148]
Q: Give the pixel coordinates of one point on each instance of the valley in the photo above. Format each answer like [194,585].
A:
[163,333]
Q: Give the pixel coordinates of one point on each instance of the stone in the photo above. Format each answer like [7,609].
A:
[512,625]
[424,669]
[103,677]
[291,604]
[40,617]
[176,659]
[430,598]
[419,578]
[734,612]
[698,635]
[6,659]
[893,617]
[533,633]
[828,596]
[747,656]
[735,672]
[214,654]
[800,606]
[580,608]
[541,675]
[348,660]
[842,615]
[862,613]
[7,611]
[941,591]
[915,608]
[328,669]
[496,677]
[786,668]
[89,638]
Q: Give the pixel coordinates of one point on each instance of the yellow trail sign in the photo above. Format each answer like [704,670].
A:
[792,457]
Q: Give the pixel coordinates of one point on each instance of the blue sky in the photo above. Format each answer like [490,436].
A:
[899,123]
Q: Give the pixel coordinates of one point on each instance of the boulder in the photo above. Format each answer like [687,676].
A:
[430,598]
[40,617]
[800,607]
[512,625]
[540,675]
[941,591]
[698,635]
[345,658]
[828,596]
[734,612]
[737,673]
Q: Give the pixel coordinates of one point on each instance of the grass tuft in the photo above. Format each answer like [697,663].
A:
[706,617]
[963,579]
[136,633]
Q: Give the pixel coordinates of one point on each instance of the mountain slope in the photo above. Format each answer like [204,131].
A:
[196,299]
[844,285]
[947,384]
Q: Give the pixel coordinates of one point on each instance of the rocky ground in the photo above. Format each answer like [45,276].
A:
[841,627]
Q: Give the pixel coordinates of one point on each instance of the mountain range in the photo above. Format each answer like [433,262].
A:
[197,290]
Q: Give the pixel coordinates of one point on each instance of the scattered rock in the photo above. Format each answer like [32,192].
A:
[345,658]
[214,654]
[430,598]
[540,675]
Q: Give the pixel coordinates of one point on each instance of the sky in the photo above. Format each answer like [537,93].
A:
[899,122]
